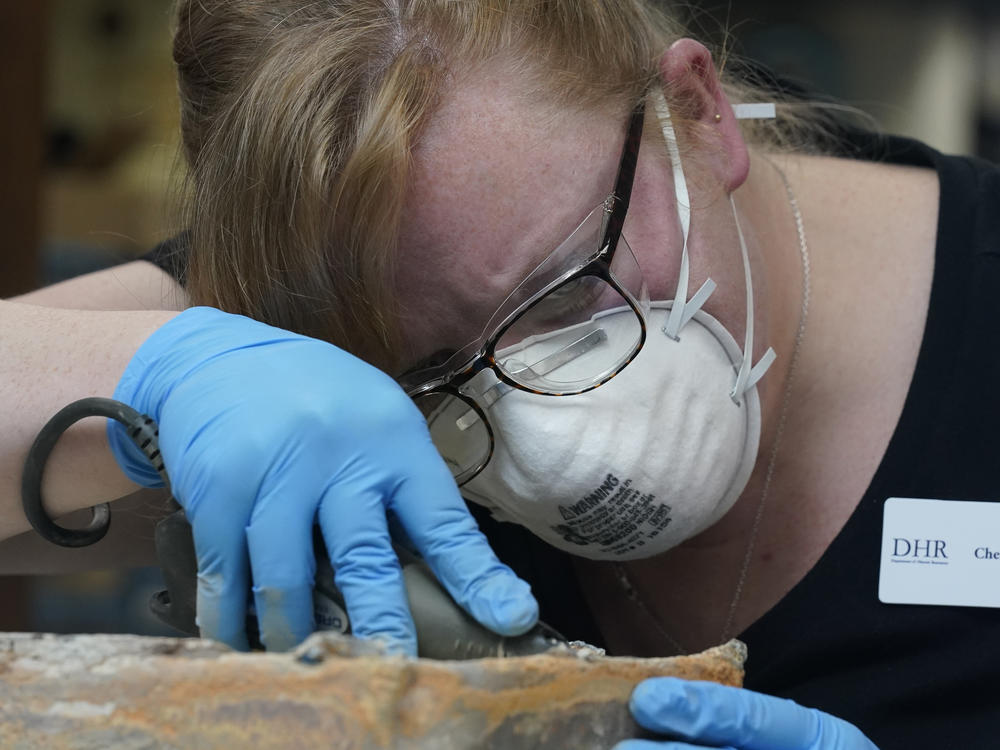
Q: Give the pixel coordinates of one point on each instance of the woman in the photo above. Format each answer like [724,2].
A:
[547,223]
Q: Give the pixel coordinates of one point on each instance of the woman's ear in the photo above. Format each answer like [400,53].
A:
[689,76]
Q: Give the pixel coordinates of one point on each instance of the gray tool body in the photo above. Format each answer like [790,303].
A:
[444,630]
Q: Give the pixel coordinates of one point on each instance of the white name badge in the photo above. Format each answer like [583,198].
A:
[940,552]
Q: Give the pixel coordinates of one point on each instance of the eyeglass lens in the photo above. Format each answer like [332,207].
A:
[459,433]
[579,333]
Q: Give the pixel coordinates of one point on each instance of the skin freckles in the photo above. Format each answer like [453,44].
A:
[499,181]
[492,194]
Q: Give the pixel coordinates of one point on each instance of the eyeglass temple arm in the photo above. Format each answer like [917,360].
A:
[623,181]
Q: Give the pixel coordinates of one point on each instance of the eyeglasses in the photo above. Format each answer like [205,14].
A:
[574,323]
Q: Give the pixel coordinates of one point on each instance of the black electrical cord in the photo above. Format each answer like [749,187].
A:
[141,429]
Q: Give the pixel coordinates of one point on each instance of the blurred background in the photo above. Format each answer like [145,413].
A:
[89,142]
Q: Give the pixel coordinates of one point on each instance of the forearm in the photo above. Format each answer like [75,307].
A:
[133,286]
[48,358]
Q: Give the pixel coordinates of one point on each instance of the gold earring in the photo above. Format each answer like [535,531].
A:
[718,118]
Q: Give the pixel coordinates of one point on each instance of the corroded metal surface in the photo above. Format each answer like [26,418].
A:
[129,692]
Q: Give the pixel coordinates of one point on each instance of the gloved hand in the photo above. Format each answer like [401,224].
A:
[265,433]
[716,716]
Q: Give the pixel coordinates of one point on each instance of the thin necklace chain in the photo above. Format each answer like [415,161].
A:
[624,580]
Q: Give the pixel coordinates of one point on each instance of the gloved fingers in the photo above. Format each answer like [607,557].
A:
[223,574]
[432,512]
[718,715]
[352,520]
[400,538]
[279,540]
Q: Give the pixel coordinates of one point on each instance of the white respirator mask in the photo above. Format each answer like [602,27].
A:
[655,455]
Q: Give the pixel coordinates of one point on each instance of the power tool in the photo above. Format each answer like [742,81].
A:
[444,630]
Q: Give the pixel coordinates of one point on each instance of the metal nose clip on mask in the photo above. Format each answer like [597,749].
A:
[655,455]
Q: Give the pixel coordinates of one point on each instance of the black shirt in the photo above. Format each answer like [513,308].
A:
[907,676]
[912,676]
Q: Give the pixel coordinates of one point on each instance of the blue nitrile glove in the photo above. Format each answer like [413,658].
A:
[716,716]
[265,433]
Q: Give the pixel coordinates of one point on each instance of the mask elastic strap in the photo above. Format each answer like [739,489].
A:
[679,313]
[683,309]
[748,376]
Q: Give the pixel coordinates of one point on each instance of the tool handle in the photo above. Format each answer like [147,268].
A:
[444,630]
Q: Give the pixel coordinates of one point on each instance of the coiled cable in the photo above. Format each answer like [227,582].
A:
[142,430]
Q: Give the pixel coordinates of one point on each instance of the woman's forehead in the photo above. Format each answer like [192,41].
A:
[498,180]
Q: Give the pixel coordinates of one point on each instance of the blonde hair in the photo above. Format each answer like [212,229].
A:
[298,119]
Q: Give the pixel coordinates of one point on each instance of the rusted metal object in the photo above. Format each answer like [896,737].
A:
[83,692]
